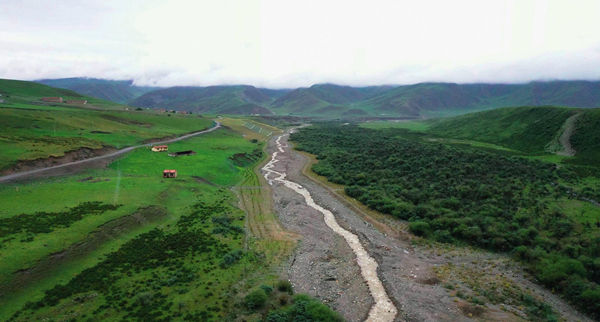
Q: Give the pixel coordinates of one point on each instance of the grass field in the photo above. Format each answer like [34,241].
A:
[135,182]
[41,131]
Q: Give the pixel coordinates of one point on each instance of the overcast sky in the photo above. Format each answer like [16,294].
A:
[298,43]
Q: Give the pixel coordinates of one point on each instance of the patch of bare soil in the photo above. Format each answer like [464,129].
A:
[69,156]
[52,263]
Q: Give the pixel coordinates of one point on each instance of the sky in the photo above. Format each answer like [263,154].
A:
[284,44]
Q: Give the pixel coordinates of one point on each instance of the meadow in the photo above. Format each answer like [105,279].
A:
[34,132]
[131,185]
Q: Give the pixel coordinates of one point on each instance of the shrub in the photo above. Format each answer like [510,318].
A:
[256,299]
[419,228]
[268,290]
[285,286]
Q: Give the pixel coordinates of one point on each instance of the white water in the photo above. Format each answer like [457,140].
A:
[383,309]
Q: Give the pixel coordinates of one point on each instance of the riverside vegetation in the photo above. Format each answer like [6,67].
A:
[490,198]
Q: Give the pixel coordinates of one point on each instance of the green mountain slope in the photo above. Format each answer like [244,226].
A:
[15,92]
[527,129]
[31,90]
[240,99]
[325,99]
[111,90]
[422,99]
[330,100]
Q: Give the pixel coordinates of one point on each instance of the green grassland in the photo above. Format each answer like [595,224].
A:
[40,131]
[134,182]
[524,129]
[15,92]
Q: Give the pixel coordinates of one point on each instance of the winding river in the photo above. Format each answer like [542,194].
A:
[383,308]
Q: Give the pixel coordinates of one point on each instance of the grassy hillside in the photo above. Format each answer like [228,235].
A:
[214,99]
[30,130]
[527,129]
[110,90]
[325,100]
[586,138]
[531,130]
[16,93]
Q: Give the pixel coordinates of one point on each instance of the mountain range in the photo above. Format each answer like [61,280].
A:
[330,100]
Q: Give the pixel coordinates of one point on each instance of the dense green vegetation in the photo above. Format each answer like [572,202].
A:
[46,222]
[111,90]
[463,194]
[135,280]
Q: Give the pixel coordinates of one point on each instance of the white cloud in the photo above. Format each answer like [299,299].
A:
[279,43]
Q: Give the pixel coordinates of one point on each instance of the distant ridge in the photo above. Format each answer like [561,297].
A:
[331,100]
[120,91]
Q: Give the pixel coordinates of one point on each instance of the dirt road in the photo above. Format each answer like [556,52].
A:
[565,137]
[357,269]
[26,174]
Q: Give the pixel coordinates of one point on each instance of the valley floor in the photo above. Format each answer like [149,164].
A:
[426,281]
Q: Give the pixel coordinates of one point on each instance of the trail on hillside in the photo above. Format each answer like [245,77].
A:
[103,157]
[565,137]
[383,308]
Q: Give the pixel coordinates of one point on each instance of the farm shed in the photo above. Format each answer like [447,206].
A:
[180,153]
[169,173]
[160,148]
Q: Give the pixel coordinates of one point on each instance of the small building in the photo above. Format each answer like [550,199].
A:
[80,102]
[169,173]
[52,99]
[181,153]
[160,148]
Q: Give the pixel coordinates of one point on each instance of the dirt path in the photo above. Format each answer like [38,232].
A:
[29,173]
[424,283]
[565,137]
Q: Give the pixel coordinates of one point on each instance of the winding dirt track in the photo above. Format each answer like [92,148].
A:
[105,156]
[383,308]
